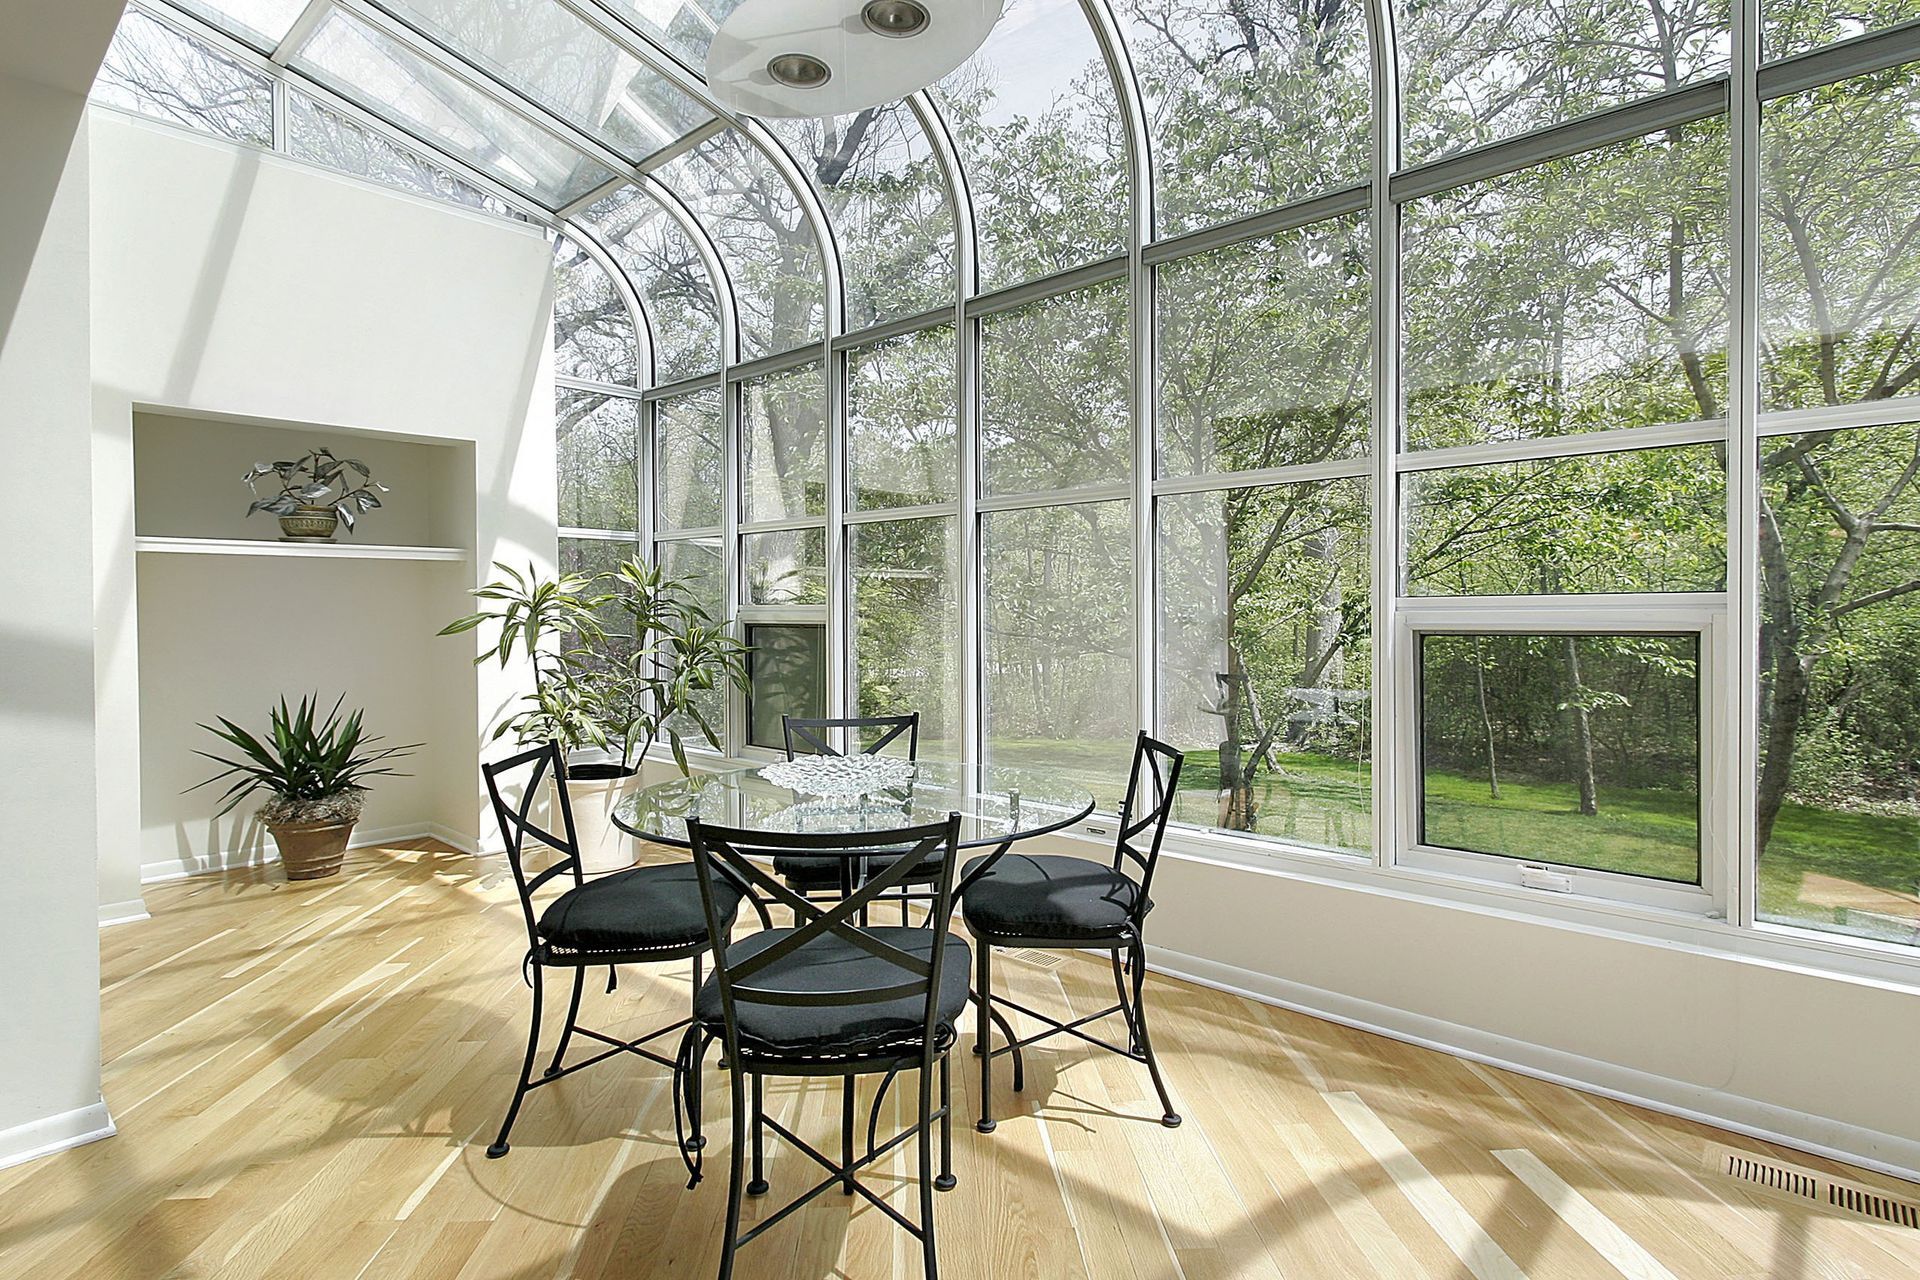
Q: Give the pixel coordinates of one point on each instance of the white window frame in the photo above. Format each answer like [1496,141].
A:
[1701,614]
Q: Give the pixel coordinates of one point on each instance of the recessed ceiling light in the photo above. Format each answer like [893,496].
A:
[894,18]
[799,71]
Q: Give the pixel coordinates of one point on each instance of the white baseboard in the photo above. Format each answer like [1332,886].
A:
[112,913]
[1870,1149]
[233,859]
[43,1137]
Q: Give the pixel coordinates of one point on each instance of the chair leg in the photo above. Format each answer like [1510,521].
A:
[846,1133]
[927,1253]
[696,1139]
[500,1147]
[573,1015]
[758,1186]
[946,1181]
[983,1036]
[1168,1116]
[730,1241]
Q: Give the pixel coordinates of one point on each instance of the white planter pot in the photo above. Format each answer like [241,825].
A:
[603,846]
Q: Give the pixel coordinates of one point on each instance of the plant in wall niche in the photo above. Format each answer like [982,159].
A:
[314,771]
[318,492]
[619,660]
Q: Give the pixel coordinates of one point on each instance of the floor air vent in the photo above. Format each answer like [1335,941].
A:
[1814,1187]
[1039,959]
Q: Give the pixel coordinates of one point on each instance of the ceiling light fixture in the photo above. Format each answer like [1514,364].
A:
[895,19]
[834,57]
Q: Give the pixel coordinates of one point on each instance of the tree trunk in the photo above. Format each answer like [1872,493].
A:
[1486,721]
[1582,727]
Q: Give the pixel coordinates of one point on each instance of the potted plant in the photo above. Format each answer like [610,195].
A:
[316,494]
[601,689]
[314,772]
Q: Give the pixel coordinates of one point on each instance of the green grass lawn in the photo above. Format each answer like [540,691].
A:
[1325,802]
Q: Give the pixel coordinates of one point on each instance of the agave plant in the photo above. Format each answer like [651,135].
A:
[314,769]
[317,479]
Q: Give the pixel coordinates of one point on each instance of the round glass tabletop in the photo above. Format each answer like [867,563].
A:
[843,797]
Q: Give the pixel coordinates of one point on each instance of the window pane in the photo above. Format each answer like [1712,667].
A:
[261,23]
[366,67]
[1579,295]
[887,200]
[902,436]
[783,433]
[1577,750]
[598,443]
[154,70]
[689,442]
[1265,661]
[695,564]
[1251,103]
[1839,267]
[1058,662]
[1264,352]
[906,626]
[789,567]
[593,335]
[591,557]
[319,134]
[786,675]
[1795,26]
[667,271]
[764,237]
[565,65]
[1838,822]
[1038,128]
[685,26]
[1055,405]
[1474,71]
[1650,520]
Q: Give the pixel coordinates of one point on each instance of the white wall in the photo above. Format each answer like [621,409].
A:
[229,282]
[50,1053]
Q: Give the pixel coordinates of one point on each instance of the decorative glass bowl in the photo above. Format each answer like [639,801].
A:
[840,776]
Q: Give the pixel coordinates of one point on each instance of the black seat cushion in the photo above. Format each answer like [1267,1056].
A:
[1048,896]
[645,909]
[812,872]
[831,963]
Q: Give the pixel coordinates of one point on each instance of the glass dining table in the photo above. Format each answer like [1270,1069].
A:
[831,795]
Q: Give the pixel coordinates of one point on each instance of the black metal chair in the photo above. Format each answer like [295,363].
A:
[644,915]
[1062,903]
[829,997]
[839,876]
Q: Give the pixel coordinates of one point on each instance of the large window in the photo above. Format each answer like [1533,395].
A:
[1055,408]
[783,445]
[902,429]
[906,626]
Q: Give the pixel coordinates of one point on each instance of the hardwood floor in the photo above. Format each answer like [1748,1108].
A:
[305,1077]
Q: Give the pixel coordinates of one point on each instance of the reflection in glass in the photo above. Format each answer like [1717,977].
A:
[597,439]
[1796,26]
[902,433]
[1477,70]
[1647,520]
[320,135]
[155,71]
[261,23]
[1058,661]
[786,676]
[788,567]
[1055,400]
[1265,660]
[688,466]
[593,335]
[1252,104]
[1837,818]
[783,436]
[695,563]
[1264,352]
[1579,295]
[1581,750]
[906,626]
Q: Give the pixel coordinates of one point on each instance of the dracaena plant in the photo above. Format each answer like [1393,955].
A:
[667,652]
[316,479]
[313,768]
[554,622]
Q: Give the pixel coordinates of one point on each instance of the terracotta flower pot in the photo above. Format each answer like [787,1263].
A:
[311,850]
